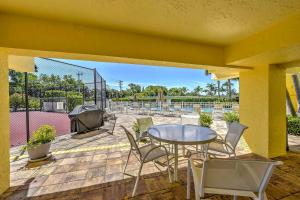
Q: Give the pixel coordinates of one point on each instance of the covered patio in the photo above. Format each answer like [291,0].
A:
[257,41]
[91,167]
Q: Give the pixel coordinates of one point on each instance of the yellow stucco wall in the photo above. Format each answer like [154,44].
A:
[254,108]
[277,111]
[262,109]
[4,124]
[276,44]
[21,63]
[44,35]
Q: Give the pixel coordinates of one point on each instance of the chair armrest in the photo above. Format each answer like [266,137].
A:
[219,137]
[278,163]
[227,146]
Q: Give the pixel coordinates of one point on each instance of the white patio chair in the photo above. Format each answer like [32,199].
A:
[144,124]
[234,177]
[148,153]
[227,145]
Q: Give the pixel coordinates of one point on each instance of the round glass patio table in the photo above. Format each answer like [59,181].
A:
[178,134]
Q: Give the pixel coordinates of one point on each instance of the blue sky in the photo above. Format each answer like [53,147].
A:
[147,75]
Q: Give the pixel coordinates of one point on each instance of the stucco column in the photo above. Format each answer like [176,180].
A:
[4,124]
[263,109]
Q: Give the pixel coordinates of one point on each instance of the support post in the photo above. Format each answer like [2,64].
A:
[105,94]
[101,95]
[263,109]
[27,107]
[4,121]
[95,86]
[83,94]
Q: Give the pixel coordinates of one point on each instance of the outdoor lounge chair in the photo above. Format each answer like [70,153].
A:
[234,177]
[227,146]
[145,154]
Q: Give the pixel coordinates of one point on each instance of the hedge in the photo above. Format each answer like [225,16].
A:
[34,103]
[55,93]
[16,101]
[74,99]
[293,125]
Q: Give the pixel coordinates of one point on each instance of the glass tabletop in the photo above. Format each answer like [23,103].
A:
[182,134]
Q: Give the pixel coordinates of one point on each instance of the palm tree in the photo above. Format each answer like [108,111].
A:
[197,90]
[206,72]
[219,88]
[229,85]
[211,89]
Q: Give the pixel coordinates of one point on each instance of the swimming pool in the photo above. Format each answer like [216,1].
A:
[186,109]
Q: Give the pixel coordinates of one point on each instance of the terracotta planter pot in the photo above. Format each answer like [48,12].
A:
[40,151]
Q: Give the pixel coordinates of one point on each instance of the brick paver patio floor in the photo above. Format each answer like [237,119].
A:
[92,161]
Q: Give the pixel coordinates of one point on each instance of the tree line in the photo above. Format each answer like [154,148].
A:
[46,86]
[211,89]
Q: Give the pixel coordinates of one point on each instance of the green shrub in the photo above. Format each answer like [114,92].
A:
[136,128]
[293,125]
[231,117]
[34,103]
[201,99]
[16,101]
[205,120]
[42,135]
[74,99]
[55,93]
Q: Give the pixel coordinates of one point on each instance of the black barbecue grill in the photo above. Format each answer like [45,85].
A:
[85,118]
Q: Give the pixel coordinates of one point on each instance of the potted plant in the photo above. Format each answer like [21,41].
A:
[205,120]
[136,129]
[231,117]
[39,145]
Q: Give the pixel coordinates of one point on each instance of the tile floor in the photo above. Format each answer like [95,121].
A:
[93,161]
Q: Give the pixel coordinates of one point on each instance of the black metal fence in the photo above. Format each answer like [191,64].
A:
[55,88]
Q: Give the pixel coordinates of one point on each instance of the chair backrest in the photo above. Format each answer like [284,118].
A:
[144,124]
[241,175]
[131,139]
[234,133]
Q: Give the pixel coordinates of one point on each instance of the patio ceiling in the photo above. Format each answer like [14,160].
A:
[21,63]
[214,22]
[194,34]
